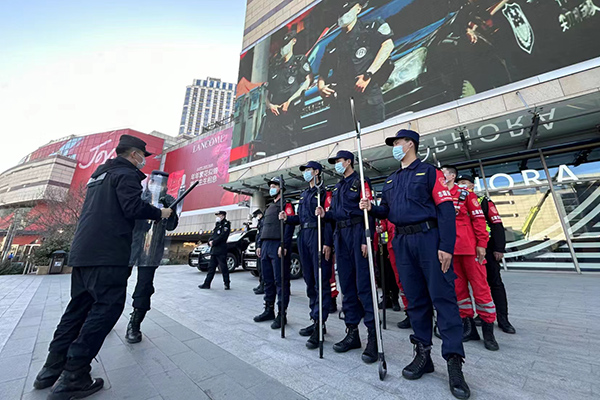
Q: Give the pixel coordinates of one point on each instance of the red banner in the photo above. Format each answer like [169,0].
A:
[205,161]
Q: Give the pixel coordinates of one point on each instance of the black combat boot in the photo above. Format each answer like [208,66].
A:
[311,328]
[477,320]
[351,341]
[55,363]
[204,286]
[281,318]
[456,379]
[370,354]
[227,286]
[313,340]
[489,341]
[333,305]
[268,314]
[395,304]
[505,324]
[75,385]
[469,330]
[134,335]
[421,364]
[260,289]
[405,323]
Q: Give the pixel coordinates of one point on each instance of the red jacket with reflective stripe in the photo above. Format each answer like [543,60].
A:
[470,223]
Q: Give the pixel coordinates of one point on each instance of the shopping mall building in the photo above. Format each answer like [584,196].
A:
[508,91]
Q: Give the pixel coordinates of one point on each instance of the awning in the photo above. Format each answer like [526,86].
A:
[25,240]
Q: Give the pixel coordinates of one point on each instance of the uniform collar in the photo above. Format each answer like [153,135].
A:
[352,175]
[414,164]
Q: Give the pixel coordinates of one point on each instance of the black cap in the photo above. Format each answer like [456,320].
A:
[403,133]
[465,177]
[289,37]
[313,165]
[223,213]
[159,172]
[257,212]
[276,181]
[342,154]
[128,141]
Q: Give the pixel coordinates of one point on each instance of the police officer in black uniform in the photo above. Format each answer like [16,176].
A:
[260,289]
[289,76]
[218,251]
[355,64]
[99,256]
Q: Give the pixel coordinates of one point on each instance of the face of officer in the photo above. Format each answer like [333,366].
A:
[341,165]
[466,184]
[401,148]
[273,190]
[350,17]
[309,174]
[450,175]
[288,48]
[220,218]
[137,158]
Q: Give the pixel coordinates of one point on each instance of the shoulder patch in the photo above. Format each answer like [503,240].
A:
[475,202]
[306,67]
[385,29]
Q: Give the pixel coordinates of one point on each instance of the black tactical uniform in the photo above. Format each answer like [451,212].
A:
[347,56]
[218,252]
[285,78]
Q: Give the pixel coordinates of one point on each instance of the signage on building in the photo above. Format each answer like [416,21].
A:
[439,52]
[206,161]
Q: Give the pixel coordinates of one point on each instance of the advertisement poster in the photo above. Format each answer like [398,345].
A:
[94,150]
[396,57]
[206,161]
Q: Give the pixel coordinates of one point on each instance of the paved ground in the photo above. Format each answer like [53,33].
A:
[204,344]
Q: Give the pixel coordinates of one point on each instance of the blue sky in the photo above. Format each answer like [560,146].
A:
[77,67]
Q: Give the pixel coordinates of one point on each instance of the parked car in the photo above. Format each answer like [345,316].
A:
[237,243]
[250,260]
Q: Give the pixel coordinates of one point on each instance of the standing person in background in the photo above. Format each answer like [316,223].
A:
[99,256]
[469,258]
[149,260]
[260,289]
[218,251]
[494,253]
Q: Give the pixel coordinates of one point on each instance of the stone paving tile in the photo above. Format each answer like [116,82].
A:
[169,345]
[14,367]
[221,387]
[129,383]
[11,389]
[196,367]
[176,385]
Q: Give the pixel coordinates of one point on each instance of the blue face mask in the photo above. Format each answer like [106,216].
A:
[339,168]
[308,176]
[398,152]
[273,192]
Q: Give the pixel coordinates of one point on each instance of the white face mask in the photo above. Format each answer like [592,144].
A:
[348,18]
[218,219]
[140,165]
[287,49]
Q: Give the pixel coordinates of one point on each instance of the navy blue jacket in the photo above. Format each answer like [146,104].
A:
[306,214]
[112,204]
[219,237]
[416,194]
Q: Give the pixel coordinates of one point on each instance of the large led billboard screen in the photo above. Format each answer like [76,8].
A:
[396,57]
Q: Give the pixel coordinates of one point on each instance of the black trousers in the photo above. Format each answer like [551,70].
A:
[221,260]
[97,301]
[144,288]
[494,280]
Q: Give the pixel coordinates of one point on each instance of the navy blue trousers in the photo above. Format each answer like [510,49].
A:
[309,257]
[426,287]
[353,271]
[271,269]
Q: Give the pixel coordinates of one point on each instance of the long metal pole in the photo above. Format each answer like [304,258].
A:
[382,363]
[320,266]
[282,259]
[561,215]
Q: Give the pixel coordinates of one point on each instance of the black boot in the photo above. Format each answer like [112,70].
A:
[204,286]
[456,379]
[395,304]
[55,363]
[370,354]
[469,330]
[405,323]
[268,314]
[276,324]
[489,341]
[477,320]
[421,364]
[505,324]
[351,341]
[75,385]
[311,328]
[227,286]
[333,305]
[313,341]
[260,289]
[134,335]
[388,303]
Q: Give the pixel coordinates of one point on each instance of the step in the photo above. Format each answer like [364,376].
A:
[548,265]
[568,255]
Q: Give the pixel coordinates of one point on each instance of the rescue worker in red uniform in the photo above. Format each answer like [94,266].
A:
[469,258]
[494,253]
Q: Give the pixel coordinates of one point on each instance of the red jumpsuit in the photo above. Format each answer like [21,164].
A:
[391,230]
[471,233]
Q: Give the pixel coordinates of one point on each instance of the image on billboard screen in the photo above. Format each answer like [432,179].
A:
[396,57]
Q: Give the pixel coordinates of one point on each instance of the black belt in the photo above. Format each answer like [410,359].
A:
[349,222]
[416,228]
[308,225]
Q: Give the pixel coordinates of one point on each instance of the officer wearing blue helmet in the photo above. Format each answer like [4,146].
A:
[416,199]
[308,248]
[351,255]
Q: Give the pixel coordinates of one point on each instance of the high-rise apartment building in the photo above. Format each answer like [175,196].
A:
[206,101]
